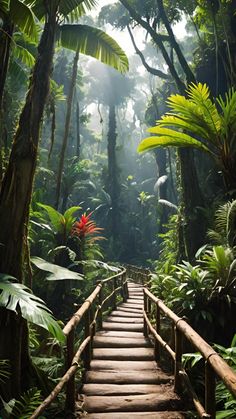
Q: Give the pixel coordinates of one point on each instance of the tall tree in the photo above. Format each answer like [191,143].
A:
[112,90]
[17,184]
[148,16]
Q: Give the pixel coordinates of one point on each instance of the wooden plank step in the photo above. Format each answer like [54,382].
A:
[135,301]
[118,389]
[118,333]
[135,296]
[162,400]
[101,364]
[119,342]
[122,354]
[118,319]
[135,415]
[132,305]
[128,377]
[123,326]
[125,314]
[130,310]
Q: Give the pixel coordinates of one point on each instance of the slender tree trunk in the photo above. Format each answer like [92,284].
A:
[185,67]
[67,128]
[191,191]
[195,225]
[78,137]
[15,201]
[112,169]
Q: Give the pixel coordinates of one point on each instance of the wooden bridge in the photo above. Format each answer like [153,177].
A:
[121,351]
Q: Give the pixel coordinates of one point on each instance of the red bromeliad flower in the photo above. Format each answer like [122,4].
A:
[84,227]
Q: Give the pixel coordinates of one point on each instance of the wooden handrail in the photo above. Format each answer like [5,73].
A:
[214,363]
[84,312]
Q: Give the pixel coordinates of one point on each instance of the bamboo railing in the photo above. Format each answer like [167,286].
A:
[214,364]
[90,314]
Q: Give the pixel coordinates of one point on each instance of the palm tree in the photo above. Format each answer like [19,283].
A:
[208,125]
[15,196]
[105,51]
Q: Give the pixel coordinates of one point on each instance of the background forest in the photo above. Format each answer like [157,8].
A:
[76,197]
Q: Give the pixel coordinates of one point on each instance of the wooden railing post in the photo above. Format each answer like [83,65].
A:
[123,284]
[70,389]
[87,332]
[210,384]
[100,300]
[178,358]
[157,347]
[145,326]
[113,304]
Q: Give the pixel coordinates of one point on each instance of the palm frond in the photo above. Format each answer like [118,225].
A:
[186,122]
[26,405]
[23,55]
[4,7]
[199,94]
[23,17]
[225,221]
[95,43]
[16,297]
[167,138]
[4,370]
[52,366]
[17,72]
[75,7]
[192,113]
[228,108]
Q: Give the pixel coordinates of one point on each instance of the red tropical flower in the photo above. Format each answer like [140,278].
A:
[85,227]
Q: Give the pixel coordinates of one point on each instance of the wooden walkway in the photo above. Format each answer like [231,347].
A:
[124,380]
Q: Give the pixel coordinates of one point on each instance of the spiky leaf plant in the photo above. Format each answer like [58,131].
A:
[200,122]
[225,225]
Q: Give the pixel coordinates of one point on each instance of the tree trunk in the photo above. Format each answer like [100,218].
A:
[185,67]
[67,128]
[194,222]
[112,169]
[78,137]
[15,201]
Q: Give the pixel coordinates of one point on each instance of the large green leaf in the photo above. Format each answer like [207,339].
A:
[57,219]
[79,7]
[23,17]
[182,122]
[66,7]
[70,218]
[24,55]
[58,273]
[168,137]
[16,296]
[4,7]
[95,43]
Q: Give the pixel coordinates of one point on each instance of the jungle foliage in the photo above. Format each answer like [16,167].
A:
[74,192]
